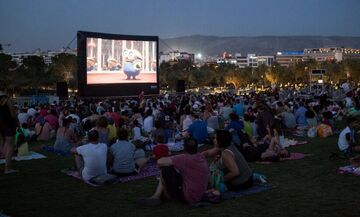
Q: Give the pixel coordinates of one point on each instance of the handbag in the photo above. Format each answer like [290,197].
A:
[217,181]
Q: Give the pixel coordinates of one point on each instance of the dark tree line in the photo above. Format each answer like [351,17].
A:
[34,76]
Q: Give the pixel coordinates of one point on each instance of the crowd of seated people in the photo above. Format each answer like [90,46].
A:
[109,136]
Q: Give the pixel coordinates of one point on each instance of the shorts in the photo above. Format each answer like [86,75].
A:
[8,131]
[249,183]
[173,183]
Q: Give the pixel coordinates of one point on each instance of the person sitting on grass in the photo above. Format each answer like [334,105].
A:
[346,141]
[274,151]
[158,131]
[237,173]
[197,130]
[247,125]
[65,137]
[122,154]
[136,131]
[235,123]
[102,128]
[112,131]
[183,178]
[161,149]
[43,130]
[90,159]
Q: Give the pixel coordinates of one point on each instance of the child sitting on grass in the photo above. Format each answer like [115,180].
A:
[161,149]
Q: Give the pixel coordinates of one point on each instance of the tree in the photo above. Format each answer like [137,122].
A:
[34,75]
[63,68]
[8,72]
[353,68]
[333,70]
[277,74]
[199,77]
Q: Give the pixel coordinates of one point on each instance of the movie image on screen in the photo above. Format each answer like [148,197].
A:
[110,61]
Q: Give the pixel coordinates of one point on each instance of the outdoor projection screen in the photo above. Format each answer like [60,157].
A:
[117,65]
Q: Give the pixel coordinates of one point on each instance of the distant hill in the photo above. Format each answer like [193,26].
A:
[260,45]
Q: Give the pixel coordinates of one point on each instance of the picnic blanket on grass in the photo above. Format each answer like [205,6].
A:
[32,155]
[256,188]
[285,142]
[174,147]
[150,169]
[349,170]
[51,149]
[228,195]
[293,156]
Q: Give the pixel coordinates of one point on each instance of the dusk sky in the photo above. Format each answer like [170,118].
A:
[52,24]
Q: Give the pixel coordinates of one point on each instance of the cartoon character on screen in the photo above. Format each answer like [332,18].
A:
[113,64]
[91,64]
[132,63]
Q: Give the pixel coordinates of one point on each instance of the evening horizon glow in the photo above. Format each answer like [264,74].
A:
[28,25]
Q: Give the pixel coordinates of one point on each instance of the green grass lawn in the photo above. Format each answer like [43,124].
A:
[308,187]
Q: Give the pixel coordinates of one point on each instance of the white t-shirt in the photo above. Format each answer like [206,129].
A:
[148,124]
[31,112]
[137,133]
[187,122]
[94,156]
[225,112]
[342,142]
[23,117]
[348,102]
[345,86]
[74,116]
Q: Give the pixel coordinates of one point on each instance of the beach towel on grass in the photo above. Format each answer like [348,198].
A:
[51,149]
[293,156]
[31,156]
[349,170]
[150,169]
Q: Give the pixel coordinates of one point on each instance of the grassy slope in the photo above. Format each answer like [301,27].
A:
[308,187]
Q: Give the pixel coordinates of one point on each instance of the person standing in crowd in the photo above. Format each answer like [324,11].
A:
[8,124]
